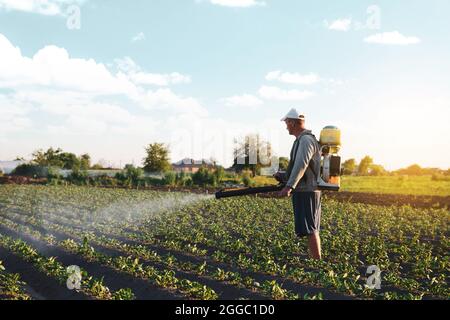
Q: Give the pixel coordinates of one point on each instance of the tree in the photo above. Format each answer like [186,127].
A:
[68,161]
[51,157]
[349,167]
[364,165]
[97,166]
[377,170]
[157,159]
[252,153]
[283,163]
[58,158]
[85,161]
[412,170]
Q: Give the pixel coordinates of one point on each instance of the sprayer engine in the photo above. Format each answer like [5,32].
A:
[330,171]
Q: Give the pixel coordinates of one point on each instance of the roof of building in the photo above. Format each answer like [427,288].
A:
[192,162]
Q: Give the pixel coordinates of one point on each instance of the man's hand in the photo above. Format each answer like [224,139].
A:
[286,192]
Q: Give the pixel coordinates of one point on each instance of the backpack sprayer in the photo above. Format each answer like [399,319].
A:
[330,171]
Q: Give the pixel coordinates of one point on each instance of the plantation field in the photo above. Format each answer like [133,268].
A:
[404,185]
[135,244]
[412,185]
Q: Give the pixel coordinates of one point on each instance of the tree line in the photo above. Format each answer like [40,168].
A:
[250,155]
[367,167]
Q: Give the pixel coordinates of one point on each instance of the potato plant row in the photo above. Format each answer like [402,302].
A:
[11,286]
[163,236]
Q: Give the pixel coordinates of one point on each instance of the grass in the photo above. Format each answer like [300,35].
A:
[409,185]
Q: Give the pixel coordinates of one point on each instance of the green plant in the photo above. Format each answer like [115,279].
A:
[79,177]
[204,177]
[170,178]
[31,170]
[247,180]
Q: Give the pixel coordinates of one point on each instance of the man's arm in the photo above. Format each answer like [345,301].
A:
[305,152]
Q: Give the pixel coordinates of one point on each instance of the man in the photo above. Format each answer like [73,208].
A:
[301,181]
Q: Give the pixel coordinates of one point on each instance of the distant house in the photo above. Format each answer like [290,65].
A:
[8,166]
[191,166]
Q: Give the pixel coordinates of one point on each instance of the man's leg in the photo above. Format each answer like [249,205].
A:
[314,246]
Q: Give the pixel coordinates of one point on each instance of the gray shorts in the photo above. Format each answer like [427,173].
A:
[307,210]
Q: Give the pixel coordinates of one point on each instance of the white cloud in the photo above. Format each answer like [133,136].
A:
[245,100]
[275,93]
[339,24]
[52,67]
[79,114]
[83,97]
[44,7]
[51,100]
[391,38]
[138,37]
[237,3]
[292,78]
[13,115]
[137,76]
[159,79]
[165,99]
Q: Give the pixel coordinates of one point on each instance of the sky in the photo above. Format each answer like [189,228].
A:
[110,77]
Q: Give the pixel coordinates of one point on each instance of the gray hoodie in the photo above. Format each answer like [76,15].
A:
[304,165]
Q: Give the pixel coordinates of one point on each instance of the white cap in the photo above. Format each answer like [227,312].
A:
[293,114]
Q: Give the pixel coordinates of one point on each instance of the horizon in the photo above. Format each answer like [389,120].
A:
[110,165]
[108,79]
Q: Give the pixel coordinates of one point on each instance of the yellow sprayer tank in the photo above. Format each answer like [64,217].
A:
[331,136]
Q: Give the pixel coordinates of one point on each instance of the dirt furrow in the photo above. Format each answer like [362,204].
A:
[225,291]
[39,285]
[113,280]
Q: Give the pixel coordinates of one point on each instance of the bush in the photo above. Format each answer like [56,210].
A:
[184,179]
[180,178]
[79,177]
[105,180]
[188,182]
[150,181]
[54,177]
[203,177]
[130,176]
[247,180]
[133,174]
[440,177]
[219,174]
[31,171]
[170,178]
